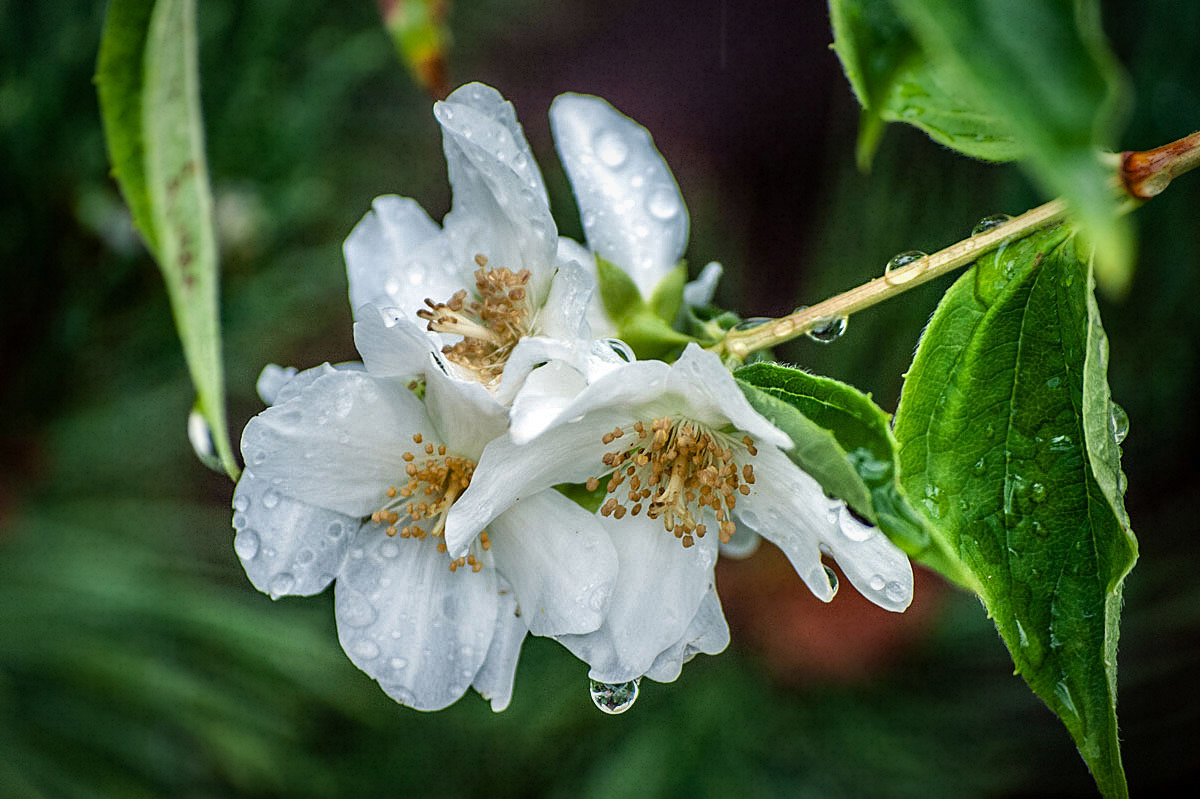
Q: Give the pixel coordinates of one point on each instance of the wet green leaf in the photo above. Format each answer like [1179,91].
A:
[150,100]
[843,440]
[1004,431]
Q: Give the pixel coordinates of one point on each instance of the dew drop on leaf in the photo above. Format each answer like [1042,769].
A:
[1038,492]
[1118,422]
[200,434]
[989,222]
[829,330]
[614,698]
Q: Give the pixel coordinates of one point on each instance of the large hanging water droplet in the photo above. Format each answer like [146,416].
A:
[1118,422]
[898,261]
[829,330]
[752,322]
[833,579]
[203,444]
[989,222]
[610,148]
[614,698]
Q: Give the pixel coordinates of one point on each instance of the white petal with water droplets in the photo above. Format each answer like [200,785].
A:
[273,378]
[494,682]
[598,321]
[660,586]
[743,544]
[559,560]
[632,211]
[287,547]
[405,619]
[708,633]
[397,256]
[339,443]
[874,565]
[499,209]
[712,396]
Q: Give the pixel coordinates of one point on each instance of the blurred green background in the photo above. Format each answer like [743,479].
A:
[136,660]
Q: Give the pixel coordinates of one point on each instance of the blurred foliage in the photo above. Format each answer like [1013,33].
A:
[136,660]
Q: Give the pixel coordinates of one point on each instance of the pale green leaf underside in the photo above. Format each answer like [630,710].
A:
[1003,432]
[150,101]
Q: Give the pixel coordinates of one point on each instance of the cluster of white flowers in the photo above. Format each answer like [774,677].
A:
[423,482]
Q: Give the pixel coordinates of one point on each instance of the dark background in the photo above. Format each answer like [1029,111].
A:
[136,660]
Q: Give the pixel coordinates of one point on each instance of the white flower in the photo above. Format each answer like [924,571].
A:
[349,477]
[683,455]
[490,285]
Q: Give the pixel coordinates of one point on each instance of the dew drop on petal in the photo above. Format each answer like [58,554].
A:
[241,502]
[989,222]
[245,544]
[398,664]
[614,698]
[389,549]
[201,437]
[305,557]
[270,498]
[366,648]
[662,203]
[335,530]
[281,584]
[833,579]
[355,611]
[610,148]
[895,591]
[1118,422]
[877,582]
[621,348]
[829,330]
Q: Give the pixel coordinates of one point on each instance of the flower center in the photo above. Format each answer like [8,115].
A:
[490,326]
[435,480]
[676,469]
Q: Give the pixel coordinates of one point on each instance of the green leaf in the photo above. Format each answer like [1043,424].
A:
[1004,429]
[618,293]
[667,297]
[843,440]
[156,141]
[1045,67]
[119,78]
[895,82]
[638,325]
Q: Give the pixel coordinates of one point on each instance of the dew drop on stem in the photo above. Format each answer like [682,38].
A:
[989,222]
[829,330]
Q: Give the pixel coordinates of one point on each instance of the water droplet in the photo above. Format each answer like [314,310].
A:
[989,222]
[752,322]
[334,530]
[1122,482]
[833,578]
[305,557]
[1053,382]
[829,330]
[270,499]
[877,583]
[200,434]
[897,261]
[1118,422]
[1037,492]
[241,502]
[614,698]
[610,148]
[895,591]
[366,648]
[389,549]
[990,431]
[245,544]
[355,610]
[662,203]
[281,584]
[980,466]
[343,403]
[397,664]
[621,348]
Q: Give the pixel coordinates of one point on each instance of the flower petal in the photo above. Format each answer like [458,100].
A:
[273,378]
[409,622]
[569,452]
[546,392]
[464,413]
[391,343]
[699,292]
[286,546]
[711,394]
[563,315]
[571,250]
[397,256]
[872,563]
[789,508]
[559,560]
[708,633]
[500,208]
[339,443]
[743,544]
[494,681]
[659,588]
[530,352]
[632,211]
